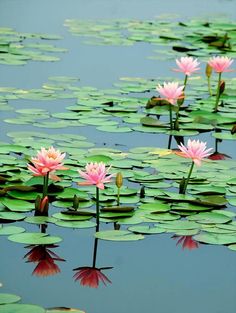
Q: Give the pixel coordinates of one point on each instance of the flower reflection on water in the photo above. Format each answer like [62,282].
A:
[45,258]
[91,275]
[187,242]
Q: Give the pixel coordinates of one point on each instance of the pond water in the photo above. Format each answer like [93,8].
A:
[151,275]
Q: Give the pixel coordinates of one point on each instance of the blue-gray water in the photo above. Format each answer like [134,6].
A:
[152,275]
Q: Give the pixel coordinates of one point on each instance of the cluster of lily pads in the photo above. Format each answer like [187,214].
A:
[18,48]
[9,303]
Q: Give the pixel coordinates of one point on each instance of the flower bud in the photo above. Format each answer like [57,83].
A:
[75,202]
[182,185]
[233,130]
[37,203]
[142,192]
[180,101]
[119,180]
[44,205]
[208,70]
[222,86]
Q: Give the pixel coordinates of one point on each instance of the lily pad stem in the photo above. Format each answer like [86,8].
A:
[187,179]
[97,208]
[218,93]
[45,185]
[118,196]
[171,123]
[209,85]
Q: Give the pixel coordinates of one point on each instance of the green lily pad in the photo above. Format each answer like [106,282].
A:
[11,216]
[216,239]
[76,224]
[34,238]
[146,229]
[17,205]
[8,298]
[118,235]
[209,218]
[10,230]
[21,308]
[40,219]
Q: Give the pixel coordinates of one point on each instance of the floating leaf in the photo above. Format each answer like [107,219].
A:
[8,298]
[21,308]
[34,238]
[118,235]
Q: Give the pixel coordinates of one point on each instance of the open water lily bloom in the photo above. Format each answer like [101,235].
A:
[47,161]
[96,174]
[187,65]
[220,64]
[91,276]
[195,150]
[170,92]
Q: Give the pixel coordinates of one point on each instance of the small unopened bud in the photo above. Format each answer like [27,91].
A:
[208,70]
[142,192]
[116,226]
[180,101]
[233,130]
[222,86]
[44,205]
[119,180]
[37,203]
[75,202]
[182,185]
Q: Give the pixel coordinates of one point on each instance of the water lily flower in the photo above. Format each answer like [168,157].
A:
[195,150]
[187,65]
[47,161]
[220,64]
[45,258]
[170,92]
[91,276]
[96,174]
[187,242]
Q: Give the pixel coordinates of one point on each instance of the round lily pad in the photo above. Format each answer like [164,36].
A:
[21,308]
[34,238]
[146,229]
[118,235]
[10,230]
[8,298]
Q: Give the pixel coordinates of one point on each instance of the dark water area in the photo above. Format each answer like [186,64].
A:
[151,275]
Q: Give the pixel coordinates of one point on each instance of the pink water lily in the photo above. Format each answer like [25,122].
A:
[47,161]
[170,92]
[96,174]
[187,65]
[195,150]
[220,64]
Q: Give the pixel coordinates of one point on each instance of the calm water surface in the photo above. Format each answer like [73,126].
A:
[152,275]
